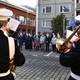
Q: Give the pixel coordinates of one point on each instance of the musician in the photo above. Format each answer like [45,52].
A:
[70,57]
[5,56]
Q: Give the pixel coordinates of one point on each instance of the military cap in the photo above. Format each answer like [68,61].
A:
[5,14]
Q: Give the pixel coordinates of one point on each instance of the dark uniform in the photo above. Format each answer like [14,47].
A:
[5,48]
[72,59]
[4,57]
[47,41]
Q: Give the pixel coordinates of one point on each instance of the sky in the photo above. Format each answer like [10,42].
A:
[31,3]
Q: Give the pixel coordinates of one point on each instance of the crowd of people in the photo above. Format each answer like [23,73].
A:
[37,42]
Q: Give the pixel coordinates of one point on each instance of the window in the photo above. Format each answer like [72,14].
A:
[46,24]
[31,22]
[78,1]
[43,23]
[20,18]
[46,10]
[78,12]
[67,22]
[65,8]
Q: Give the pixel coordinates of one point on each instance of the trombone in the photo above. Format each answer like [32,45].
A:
[62,43]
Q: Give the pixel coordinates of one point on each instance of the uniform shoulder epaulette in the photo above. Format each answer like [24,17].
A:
[77,39]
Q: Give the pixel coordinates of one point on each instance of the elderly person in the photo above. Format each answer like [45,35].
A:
[53,42]
[42,41]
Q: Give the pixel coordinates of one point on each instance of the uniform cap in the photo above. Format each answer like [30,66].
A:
[5,14]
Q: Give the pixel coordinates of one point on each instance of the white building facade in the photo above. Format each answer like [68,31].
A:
[47,9]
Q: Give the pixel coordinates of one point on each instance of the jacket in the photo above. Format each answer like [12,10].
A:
[4,55]
[72,58]
[53,40]
[42,39]
[48,40]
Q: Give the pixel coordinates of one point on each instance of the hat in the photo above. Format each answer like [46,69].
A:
[5,14]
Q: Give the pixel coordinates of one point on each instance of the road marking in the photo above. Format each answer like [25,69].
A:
[56,56]
[35,55]
[48,54]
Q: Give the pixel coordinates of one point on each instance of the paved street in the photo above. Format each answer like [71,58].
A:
[41,66]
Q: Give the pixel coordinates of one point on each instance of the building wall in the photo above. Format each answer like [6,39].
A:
[19,12]
[55,4]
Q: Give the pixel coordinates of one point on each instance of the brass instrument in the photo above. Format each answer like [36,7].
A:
[12,66]
[62,43]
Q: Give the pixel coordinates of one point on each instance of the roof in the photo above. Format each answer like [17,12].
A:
[17,6]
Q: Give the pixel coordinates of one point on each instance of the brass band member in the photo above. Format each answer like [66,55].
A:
[70,57]
[5,73]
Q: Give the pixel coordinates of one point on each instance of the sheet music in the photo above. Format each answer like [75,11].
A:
[68,33]
[13,24]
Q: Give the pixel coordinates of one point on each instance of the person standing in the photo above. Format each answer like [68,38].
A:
[30,39]
[53,42]
[42,41]
[26,41]
[9,49]
[37,42]
[58,35]
[70,57]
[47,41]
[20,40]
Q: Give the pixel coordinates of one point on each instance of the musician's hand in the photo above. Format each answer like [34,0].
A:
[66,49]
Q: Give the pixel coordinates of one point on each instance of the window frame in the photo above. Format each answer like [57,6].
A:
[63,7]
[31,22]
[68,22]
[44,24]
[18,17]
[78,1]
[45,12]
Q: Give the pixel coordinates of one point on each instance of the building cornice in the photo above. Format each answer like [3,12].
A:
[17,7]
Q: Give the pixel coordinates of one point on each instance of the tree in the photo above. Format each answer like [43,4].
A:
[57,24]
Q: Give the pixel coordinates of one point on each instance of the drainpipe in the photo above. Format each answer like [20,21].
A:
[55,8]
[37,17]
[75,8]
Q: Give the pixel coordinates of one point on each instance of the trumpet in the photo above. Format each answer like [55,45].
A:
[62,43]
